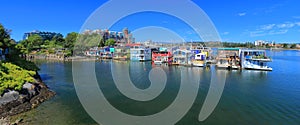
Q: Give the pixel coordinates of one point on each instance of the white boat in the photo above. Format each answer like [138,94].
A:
[255,60]
[200,60]
[140,54]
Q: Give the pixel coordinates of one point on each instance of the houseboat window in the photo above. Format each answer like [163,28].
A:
[142,51]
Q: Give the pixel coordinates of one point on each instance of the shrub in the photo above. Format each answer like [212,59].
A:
[13,77]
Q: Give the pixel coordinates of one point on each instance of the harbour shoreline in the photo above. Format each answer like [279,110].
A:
[14,103]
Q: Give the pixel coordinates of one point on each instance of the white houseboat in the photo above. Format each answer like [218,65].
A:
[182,57]
[140,53]
[200,55]
[200,60]
[255,60]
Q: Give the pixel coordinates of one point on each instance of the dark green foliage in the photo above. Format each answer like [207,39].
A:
[285,45]
[28,65]
[231,44]
[110,42]
[5,40]
[293,46]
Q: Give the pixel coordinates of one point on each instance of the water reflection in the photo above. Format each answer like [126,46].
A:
[250,97]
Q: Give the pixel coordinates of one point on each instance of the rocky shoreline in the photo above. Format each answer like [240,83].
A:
[16,102]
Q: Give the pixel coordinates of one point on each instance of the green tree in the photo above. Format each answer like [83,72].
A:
[293,46]
[59,39]
[70,40]
[110,42]
[102,42]
[5,40]
[34,42]
[285,45]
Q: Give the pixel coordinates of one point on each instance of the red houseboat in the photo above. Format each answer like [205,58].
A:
[162,56]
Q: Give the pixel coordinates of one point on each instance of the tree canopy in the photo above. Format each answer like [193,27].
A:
[5,40]
[110,42]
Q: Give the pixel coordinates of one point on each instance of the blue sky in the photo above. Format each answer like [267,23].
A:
[235,20]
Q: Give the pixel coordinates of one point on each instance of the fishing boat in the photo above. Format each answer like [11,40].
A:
[255,60]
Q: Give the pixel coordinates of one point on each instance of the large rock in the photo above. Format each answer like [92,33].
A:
[32,94]
[28,86]
[30,89]
[4,121]
[8,97]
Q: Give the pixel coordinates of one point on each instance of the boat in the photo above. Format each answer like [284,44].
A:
[106,55]
[201,55]
[255,60]
[228,58]
[162,54]
[182,57]
[140,53]
[200,60]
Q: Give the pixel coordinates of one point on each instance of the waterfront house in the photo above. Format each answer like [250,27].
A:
[121,53]
[140,53]
[182,57]
[92,52]
[255,60]
[200,55]
[162,54]
[106,53]
[228,58]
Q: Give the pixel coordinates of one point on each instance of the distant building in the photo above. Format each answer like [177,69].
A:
[260,42]
[121,37]
[298,46]
[44,35]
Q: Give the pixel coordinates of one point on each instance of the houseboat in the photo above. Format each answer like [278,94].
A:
[140,53]
[200,55]
[199,60]
[92,52]
[255,60]
[106,53]
[121,53]
[228,58]
[182,57]
[162,55]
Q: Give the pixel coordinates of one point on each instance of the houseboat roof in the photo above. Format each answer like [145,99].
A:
[183,50]
[252,50]
[229,49]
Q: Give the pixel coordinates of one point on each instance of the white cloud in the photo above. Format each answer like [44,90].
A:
[225,33]
[242,14]
[286,25]
[274,32]
[190,32]
[273,29]
[267,27]
[269,32]
[257,33]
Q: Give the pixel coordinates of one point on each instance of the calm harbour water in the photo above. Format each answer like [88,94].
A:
[249,97]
